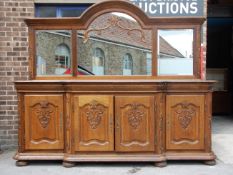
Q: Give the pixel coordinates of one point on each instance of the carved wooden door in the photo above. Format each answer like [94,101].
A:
[134,123]
[93,119]
[43,122]
[185,122]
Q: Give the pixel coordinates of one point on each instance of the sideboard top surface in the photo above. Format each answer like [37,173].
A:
[145,86]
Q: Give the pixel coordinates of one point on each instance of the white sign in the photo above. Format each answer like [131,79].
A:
[171,8]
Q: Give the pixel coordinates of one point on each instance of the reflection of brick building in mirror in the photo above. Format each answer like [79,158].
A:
[114,44]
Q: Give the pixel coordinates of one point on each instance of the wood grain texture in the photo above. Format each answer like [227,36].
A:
[185,122]
[134,123]
[44,122]
[116,121]
[114,118]
[93,119]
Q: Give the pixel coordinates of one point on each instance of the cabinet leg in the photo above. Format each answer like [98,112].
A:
[210,162]
[160,164]
[21,163]
[68,164]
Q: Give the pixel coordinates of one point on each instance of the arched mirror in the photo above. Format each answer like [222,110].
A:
[120,46]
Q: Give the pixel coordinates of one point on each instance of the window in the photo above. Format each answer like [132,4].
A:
[62,59]
[98,62]
[127,65]
[62,10]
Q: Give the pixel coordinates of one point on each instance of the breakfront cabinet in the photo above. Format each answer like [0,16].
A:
[114,85]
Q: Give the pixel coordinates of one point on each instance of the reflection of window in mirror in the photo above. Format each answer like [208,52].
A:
[149,63]
[127,64]
[53,52]
[115,34]
[62,59]
[98,62]
[175,52]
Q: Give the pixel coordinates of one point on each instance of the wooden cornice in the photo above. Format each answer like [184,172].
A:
[98,9]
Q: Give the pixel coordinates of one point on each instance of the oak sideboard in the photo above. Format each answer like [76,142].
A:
[115,85]
[78,121]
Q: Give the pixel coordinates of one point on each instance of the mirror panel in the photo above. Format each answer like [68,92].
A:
[114,44]
[175,52]
[53,53]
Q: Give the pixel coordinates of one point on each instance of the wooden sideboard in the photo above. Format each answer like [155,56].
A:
[114,120]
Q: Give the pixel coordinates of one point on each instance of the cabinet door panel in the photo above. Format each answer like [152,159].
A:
[134,123]
[185,122]
[43,122]
[93,117]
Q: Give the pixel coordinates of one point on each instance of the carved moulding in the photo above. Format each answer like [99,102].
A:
[114,21]
[135,114]
[43,112]
[185,112]
[94,112]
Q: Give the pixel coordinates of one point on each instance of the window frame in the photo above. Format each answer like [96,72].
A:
[101,56]
[67,57]
[129,58]
[60,7]
[82,23]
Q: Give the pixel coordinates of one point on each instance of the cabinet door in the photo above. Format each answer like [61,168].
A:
[185,122]
[93,118]
[44,122]
[134,123]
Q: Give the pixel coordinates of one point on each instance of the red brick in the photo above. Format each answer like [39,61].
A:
[12,24]
[5,117]
[12,4]
[6,128]
[19,49]
[5,29]
[26,4]
[23,14]
[2,24]
[2,14]
[3,38]
[12,14]
[13,54]
[12,33]
[2,33]
[6,9]
[5,49]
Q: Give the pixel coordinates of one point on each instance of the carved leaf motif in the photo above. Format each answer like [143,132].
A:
[43,112]
[94,112]
[135,115]
[185,112]
[114,21]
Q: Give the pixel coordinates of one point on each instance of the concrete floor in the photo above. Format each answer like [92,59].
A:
[222,145]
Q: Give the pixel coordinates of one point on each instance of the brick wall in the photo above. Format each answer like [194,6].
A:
[13,63]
